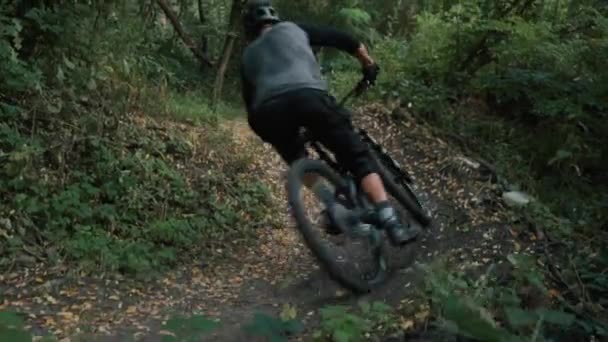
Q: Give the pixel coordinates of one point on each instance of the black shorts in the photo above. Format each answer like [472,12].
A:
[278,121]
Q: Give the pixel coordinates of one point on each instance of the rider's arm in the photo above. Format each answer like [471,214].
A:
[332,37]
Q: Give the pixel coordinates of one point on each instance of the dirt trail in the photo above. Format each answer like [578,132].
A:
[471,227]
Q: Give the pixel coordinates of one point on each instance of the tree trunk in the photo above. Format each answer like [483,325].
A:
[203,21]
[182,34]
[231,36]
[201,12]
[221,71]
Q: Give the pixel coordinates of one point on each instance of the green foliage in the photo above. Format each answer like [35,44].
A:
[271,328]
[17,74]
[189,328]
[341,324]
[520,82]
[126,209]
[11,328]
[85,181]
[488,309]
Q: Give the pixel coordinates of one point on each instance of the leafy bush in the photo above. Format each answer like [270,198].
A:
[339,323]
[112,205]
[522,302]
[84,181]
[522,84]
[275,329]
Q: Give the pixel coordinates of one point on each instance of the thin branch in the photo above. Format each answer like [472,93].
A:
[182,33]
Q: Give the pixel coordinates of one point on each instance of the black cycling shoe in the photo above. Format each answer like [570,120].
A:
[396,231]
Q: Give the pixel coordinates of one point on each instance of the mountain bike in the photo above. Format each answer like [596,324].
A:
[346,215]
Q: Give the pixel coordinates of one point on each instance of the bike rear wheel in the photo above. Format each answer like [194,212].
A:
[359,276]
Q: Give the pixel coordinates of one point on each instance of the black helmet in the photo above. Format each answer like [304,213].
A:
[257,14]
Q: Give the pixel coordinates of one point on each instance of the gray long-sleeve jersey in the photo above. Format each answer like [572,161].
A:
[282,60]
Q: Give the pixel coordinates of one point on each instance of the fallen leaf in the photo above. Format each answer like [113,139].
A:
[406,324]
[516,246]
[553,293]
[422,315]
[65,314]
[48,320]
[68,316]
[50,299]
[288,313]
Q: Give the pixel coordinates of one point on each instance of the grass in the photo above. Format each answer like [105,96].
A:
[194,107]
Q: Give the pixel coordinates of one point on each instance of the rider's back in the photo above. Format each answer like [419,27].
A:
[279,61]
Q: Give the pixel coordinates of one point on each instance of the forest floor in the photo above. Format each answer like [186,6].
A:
[471,230]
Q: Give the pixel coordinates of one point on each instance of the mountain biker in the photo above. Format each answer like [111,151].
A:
[283,90]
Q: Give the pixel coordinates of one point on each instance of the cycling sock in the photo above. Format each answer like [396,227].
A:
[383,204]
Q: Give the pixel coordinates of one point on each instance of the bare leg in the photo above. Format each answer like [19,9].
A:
[372,185]
[374,188]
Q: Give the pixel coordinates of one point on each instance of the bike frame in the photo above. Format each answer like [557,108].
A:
[354,194]
[394,166]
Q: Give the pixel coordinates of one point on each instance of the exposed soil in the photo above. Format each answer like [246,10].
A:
[471,229]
